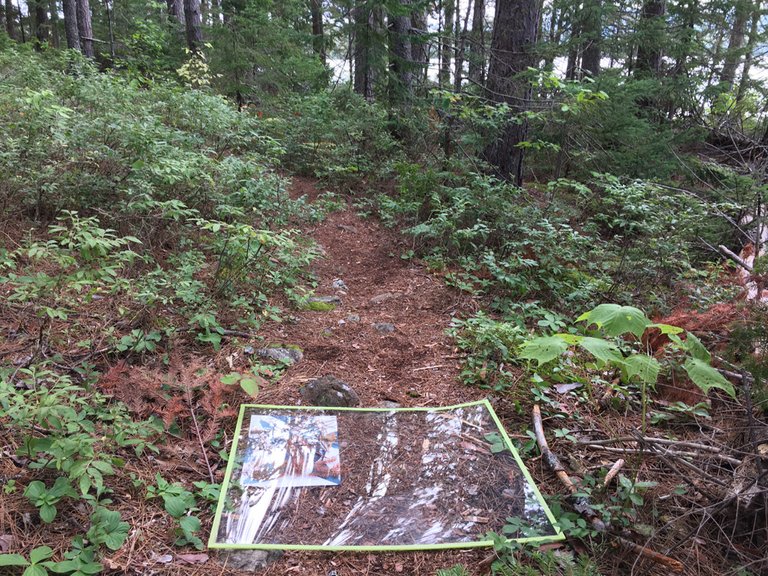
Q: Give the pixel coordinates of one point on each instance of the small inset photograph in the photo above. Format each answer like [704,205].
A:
[291,451]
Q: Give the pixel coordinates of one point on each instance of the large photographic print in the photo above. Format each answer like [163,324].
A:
[291,450]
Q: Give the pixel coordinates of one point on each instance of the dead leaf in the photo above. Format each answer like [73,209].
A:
[563,388]
[164,559]
[6,541]
[399,567]
[193,558]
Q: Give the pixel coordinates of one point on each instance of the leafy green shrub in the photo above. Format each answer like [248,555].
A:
[335,135]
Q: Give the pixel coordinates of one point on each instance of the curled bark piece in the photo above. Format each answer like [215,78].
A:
[613,471]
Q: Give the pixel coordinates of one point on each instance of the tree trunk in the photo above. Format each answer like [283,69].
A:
[446,43]
[10,19]
[750,54]
[512,52]
[590,37]
[363,78]
[651,27]
[400,53]
[735,43]
[318,38]
[461,41]
[477,44]
[53,8]
[70,24]
[40,27]
[193,21]
[84,27]
[176,9]
[419,47]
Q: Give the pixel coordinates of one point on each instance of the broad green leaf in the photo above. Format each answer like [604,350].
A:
[706,377]
[250,386]
[667,328]
[644,366]
[230,379]
[695,348]
[189,524]
[543,349]
[34,490]
[47,513]
[35,570]
[616,320]
[175,506]
[39,554]
[13,560]
[601,349]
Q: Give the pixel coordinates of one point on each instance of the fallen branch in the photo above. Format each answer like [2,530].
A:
[735,257]
[657,451]
[554,463]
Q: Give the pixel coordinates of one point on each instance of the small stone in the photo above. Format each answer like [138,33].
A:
[248,350]
[353,318]
[329,391]
[384,327]
[249,560]
[339,284]
[380,298]
[388,404]
[286,355]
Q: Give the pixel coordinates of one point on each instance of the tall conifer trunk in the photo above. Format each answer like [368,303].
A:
[70,24]
[515,30]
[194,23]
[84,27]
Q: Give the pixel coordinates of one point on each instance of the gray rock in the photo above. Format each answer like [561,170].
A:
[389,404]
[324,299]
[250,560]
[339,284]
[353,318]
[329,391]
[380,298]
[384,327]
[287,355]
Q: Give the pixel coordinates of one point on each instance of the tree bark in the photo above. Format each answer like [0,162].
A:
[446,43]
[461,41]
[70,24]
[176,9]
[750,54]
[735,43]
[53,8]
[10,19]
[363,78]
[84,27]
[318,38]
[37,8]
[193,21]
[591,36]
[649,50]
[477,44]
[512,52]
[400,53]
[419,47]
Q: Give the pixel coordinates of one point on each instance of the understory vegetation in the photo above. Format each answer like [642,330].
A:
[149,233]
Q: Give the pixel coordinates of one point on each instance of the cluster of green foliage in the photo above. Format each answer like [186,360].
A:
[179,169]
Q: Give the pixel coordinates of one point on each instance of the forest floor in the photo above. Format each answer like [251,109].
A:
[387,340]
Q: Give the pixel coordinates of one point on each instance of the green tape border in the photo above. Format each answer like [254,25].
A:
[213,544]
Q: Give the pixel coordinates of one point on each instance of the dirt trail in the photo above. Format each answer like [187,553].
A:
[413,365]
[387,338]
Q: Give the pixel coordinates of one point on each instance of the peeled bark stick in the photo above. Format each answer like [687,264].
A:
[735,257]
[554,463]
[613,471]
